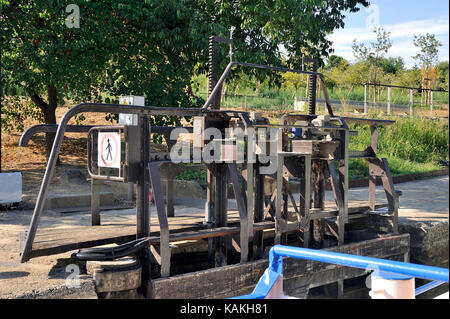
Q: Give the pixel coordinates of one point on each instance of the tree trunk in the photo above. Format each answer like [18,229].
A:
[49,115]
[50,118]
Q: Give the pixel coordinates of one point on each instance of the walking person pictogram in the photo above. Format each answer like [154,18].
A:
[108,148]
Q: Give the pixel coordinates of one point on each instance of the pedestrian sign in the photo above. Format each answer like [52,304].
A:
[109,149]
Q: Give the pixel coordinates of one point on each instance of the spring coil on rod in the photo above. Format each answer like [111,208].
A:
[212,65]
[312,89]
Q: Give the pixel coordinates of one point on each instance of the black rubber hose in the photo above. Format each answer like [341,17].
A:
[111,253]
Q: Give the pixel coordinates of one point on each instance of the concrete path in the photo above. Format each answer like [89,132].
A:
[422,200]
[424,212]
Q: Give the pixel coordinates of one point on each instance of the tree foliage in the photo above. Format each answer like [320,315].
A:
[149,48]
[443,70]
[336,61]
[374,52]
[429,49]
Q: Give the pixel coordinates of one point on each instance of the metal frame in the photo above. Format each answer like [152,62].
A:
[46,128]
[145,172]
[379,168]
[322,167]
[77,109]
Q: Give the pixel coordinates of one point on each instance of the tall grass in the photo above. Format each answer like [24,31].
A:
[411,145]
[413,139]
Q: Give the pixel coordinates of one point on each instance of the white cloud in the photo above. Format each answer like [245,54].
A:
[402,35]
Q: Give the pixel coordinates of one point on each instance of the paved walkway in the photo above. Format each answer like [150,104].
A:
[422,201]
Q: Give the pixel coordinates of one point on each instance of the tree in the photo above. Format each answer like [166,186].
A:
[150,48]
[373,54]
[375,50]
[443,70]
[392,65]
[429,49]
[266,29]
[49,61]
[336,61]
[427,58]
[409,78]
[295,80]
[120,47]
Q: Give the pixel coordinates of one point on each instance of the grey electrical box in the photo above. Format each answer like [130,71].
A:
[130,119]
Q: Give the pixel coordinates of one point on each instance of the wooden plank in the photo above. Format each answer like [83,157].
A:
[220,244]
[372,178]
[234,280]
[258,205]
[339,197]
[389,189]
[46,247]
[169,198]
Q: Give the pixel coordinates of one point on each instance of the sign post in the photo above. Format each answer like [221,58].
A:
[130,119]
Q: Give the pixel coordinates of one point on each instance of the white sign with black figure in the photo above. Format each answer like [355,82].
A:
[109,149]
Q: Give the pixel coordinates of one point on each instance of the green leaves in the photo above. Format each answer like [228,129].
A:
[153,48]
[429,48]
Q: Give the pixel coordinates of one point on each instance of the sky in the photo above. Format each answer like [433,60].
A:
[404,19]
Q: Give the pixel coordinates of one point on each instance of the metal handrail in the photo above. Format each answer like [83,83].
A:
[420,290]
[277,252]
[52,128]
[62,127]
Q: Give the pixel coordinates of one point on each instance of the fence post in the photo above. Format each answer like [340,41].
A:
[365,98]
[411,102]
[431,103]
[389,100]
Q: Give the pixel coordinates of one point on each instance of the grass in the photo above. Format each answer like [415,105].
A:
[359,168]
[411,145]
[413,139]
[197,175]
